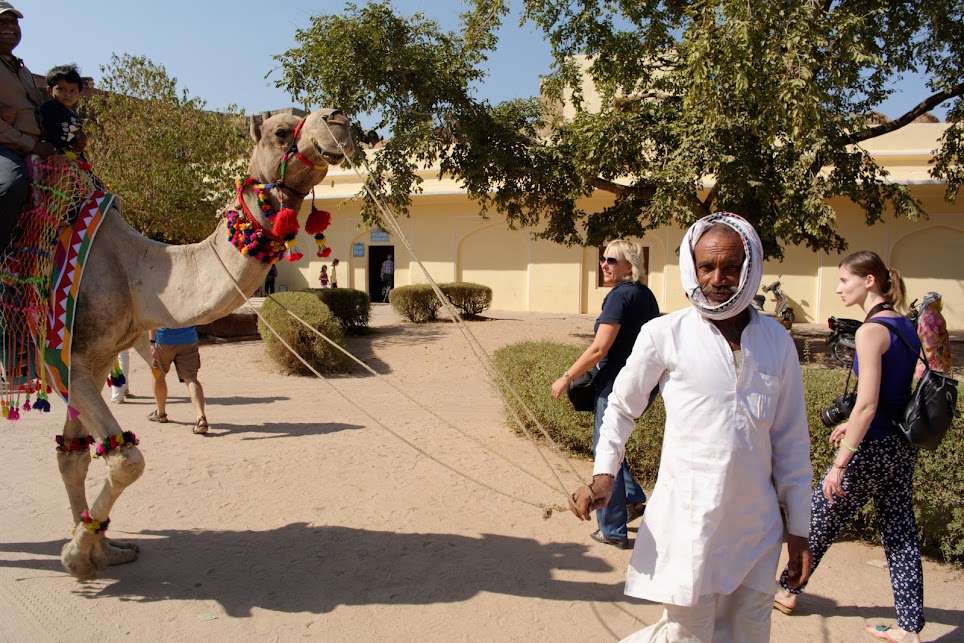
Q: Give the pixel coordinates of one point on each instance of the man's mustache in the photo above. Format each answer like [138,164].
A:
[720,290]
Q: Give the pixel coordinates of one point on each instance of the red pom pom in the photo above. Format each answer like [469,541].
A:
[324,253]
[286,224]
[317,221]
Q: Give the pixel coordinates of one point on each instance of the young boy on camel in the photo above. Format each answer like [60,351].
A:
[62,125]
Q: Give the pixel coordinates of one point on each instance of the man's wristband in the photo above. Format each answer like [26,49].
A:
[153,341]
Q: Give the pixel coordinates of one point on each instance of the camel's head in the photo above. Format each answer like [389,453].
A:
[305,147]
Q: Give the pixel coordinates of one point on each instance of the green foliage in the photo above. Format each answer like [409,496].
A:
[531,367]
[173,164]
[416,303]
[321,355]
[468,298]
[762,96]
[353,308]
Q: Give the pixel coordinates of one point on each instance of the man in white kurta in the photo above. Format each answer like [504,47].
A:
[736,450]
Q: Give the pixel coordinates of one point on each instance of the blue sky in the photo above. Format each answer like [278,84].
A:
[221,51]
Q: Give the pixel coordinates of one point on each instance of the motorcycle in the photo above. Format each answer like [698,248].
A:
[783,312]
[842,341]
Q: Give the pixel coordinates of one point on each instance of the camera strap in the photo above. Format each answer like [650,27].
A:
[876,309]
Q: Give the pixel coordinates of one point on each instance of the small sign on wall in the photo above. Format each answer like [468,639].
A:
[378,236]
[358,249]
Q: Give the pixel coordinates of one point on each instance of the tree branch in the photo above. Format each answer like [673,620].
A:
[922,108]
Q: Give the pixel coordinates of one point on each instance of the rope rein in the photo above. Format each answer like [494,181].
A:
[481,355]
[485,360]
[547,510]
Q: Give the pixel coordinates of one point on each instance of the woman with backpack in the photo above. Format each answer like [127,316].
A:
[873,459]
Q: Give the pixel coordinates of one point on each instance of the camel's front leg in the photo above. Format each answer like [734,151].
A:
[88,553]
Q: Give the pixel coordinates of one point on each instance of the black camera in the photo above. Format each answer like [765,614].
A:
[839,411]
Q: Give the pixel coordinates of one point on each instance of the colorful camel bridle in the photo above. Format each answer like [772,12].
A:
[255,240]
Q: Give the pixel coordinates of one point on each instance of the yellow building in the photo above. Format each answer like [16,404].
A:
[453,243]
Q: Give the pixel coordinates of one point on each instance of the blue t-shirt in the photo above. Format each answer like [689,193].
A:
[177,336]
[897,366]
[630,305]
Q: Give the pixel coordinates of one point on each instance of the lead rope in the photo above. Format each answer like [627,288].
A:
[547,510]
[481,355]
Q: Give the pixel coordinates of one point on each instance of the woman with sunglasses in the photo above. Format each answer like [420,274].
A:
[628,306]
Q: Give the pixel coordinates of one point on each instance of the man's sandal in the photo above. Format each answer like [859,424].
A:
[884,632]
[157,417]
[201,426]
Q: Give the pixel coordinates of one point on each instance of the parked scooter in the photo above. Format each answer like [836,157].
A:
[843,335]
[783,312]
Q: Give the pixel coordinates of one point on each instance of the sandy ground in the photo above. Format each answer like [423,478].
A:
[300,516]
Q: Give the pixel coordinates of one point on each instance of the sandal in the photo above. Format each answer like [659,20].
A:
[635,511]
[882,632]
[201,426]
[157,417]
[780,607]
[600,538]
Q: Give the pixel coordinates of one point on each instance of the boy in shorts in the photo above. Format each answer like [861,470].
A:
[177,346]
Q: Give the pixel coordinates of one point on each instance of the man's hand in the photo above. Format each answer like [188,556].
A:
[80,143]
[43,149]
[590,497]
[798,567]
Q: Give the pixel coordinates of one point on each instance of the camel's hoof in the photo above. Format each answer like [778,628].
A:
[83,557]
[119,552]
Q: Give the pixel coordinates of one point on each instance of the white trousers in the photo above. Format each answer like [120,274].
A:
[740,617]
[118,393]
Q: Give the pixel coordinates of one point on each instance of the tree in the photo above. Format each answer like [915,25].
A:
[172,163]
[766,98]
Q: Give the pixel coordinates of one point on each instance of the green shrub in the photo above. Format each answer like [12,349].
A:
[470,299]
[532,367]
[416,303]
[353,308]
[322,356]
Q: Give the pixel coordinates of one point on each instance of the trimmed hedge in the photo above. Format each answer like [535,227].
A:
[353,308]
[470,299]
[322,356]
[531,367]
[416,303]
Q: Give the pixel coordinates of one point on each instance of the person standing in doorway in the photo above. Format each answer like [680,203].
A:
[333,275]
[270,279]
[323,280]
[388,276]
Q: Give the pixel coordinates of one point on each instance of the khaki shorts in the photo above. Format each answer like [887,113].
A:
[185,357]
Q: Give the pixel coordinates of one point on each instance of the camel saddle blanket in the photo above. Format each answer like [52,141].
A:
[69,257]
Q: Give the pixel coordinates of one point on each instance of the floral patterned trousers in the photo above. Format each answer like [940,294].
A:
[882,470]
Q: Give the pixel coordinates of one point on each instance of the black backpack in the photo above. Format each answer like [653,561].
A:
[932,407]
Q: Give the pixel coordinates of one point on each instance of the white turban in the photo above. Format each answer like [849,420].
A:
[750,274]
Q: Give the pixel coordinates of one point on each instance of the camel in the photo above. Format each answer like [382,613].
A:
[132,284]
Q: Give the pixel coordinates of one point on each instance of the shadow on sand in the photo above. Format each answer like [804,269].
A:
[304,568]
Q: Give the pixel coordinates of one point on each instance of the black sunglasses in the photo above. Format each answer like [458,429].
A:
[612,261]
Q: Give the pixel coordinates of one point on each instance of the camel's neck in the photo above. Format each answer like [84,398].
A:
[211,279]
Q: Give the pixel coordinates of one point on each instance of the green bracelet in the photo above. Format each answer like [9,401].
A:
[847,446]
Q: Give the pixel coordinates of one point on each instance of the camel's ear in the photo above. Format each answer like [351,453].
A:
[256,123]
[254,129]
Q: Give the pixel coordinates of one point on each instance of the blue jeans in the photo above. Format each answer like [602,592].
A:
[13,192]
[612,518]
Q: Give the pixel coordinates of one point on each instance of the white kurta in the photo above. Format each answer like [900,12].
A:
[735,449]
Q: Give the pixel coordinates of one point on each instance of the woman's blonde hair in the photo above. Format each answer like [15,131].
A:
[865,262]
[627,251]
